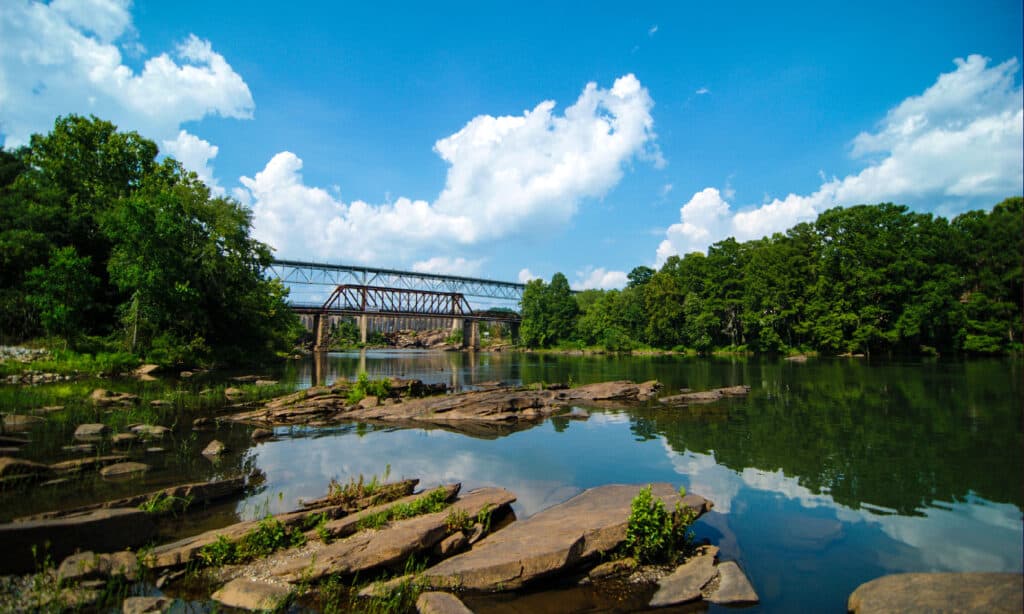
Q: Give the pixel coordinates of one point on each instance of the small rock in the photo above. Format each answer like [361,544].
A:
[214,448]
[185,374]
[107,398]
[684,584]
[49,409]
[734,588]
[81,448]
[202,423]
[21,422]
[14,467]
[578,414]
[151,430]
[266,382]
[56,482]
[451,544]
[90,431]
[159,403]
[123,469]
[246,594]
[146,370]
[440,603]
[368,402]
[476,534]
[617,567]
[233,393]
[147,605]
[155,450]
[89,565]
[5,450]
[121,438]
[797,358]
[259,434]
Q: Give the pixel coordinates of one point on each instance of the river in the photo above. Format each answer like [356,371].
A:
[830,473]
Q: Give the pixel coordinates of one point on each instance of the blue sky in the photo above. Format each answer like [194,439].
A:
[522,139]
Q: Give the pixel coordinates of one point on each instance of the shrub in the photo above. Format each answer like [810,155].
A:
[364,387]
[654,535]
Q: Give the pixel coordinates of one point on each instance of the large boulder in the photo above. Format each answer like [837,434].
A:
[940,592]
[555,540]
[105,530]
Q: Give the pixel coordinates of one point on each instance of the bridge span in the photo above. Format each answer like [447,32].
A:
[322,294]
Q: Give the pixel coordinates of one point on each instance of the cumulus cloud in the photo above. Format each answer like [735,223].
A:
[506,175]
[956,145]
[526,276]
[195,154]
[701,91]
[64,57]
[449,266]
[599,279]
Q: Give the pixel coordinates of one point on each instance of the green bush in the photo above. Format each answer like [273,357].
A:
[654,535]
[364,387]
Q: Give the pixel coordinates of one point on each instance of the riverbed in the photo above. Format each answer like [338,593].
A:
[831,472]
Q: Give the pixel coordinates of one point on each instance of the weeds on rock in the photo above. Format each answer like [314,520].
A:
[162,503]
[355,490]
[269,536]
[364,387]
[434,501]
[655,535]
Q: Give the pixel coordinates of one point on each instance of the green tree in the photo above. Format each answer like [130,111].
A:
[61,292]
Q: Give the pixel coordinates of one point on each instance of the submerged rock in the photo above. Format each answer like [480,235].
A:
[940,592]
[214,448]
[146,605]
[123,469]
[555,540]
[108,398]
[91,431]
[706,396]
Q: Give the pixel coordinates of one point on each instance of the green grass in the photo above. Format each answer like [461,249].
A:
[434,501]
[269,536]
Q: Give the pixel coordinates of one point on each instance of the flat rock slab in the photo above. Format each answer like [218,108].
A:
[440,603]
[706,396]
[556,539]
[16,468]
[246,594]
[106,530]
[118,470]
[146,605]
[940,592]
[733,586]
[683,585]
[21,422]
[392,544]
[89,565]
[90,431]
[89,462]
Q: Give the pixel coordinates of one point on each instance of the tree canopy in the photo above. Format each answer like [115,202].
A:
[861,279]
[99,238]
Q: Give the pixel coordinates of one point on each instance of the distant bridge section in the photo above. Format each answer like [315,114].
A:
[321,293]
[311,283]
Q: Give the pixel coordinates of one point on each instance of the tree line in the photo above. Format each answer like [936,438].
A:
[104,246]
[861,279]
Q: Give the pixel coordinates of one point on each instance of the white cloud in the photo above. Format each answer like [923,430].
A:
[525,276]
[63,58]
[599,278]
[652,30]
[449,266]
[958,144]
[507,175]
[195,154]
[702,91]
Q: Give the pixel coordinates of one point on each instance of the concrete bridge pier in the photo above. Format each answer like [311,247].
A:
[471,334]
[362,329]
[321,332]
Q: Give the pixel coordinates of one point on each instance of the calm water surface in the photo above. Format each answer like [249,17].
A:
[829,474]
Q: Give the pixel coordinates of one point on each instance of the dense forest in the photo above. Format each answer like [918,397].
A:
[862,279]
[105,248]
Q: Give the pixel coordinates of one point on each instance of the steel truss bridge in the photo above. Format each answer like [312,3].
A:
[311,283]
[322,292]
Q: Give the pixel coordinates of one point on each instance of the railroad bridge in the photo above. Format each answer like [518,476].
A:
[322,294]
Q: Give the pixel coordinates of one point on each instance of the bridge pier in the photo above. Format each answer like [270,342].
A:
[362,329]
[321,332]
[471,334]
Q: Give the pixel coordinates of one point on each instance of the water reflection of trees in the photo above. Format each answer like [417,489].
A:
[898,437]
